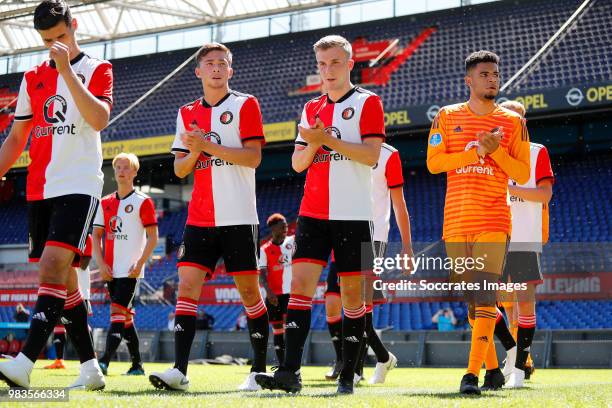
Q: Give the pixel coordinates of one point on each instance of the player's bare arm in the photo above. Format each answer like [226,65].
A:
[95,111]
[14,144]
[403,223]
[542,193]
[106,271]
[249,155]
[184,163]
[152,237]
[303,156]
[263,279]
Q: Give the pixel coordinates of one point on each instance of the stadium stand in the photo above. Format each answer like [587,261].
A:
[270,68]
[397,316]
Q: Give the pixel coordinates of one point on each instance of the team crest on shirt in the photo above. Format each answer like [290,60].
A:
[129,208]
[226,118]
[334,132]
[115,224]
[348,113]
[283,259]
[181,251]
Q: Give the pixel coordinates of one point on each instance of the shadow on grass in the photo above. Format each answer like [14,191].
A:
[173,394]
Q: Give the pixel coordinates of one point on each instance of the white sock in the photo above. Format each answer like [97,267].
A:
[26,362]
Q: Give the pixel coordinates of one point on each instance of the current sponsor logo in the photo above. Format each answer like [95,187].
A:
[115,227]
[54,112]
[487,170]
[328,157]
[335,132]
[115,224]
[211,137]
[55,108]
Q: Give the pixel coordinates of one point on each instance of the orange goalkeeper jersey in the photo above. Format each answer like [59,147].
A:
[477,189]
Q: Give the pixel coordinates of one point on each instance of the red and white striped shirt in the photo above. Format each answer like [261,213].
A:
[66,151]
[277,260]
[223,192]
[124,221]
[387,175]
[338,188]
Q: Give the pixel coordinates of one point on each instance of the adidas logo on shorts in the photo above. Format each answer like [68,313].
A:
[40,316]
[483,338]
[257,335]
[118,335]
[178,328]
[352,339]
[65,321]
[291,325]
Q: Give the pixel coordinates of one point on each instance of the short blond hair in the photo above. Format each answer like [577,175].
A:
[331,41]
[131,157]
[514,106]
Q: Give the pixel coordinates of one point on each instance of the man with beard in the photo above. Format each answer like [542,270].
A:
[480,146]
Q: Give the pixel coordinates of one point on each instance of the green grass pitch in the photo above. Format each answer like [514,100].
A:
[215,386]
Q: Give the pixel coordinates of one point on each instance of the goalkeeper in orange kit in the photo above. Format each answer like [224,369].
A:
[480,146]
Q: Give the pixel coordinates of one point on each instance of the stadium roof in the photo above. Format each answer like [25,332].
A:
[111,19]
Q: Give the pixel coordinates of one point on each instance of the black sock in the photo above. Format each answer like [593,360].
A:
[130,335]
[258,324]
[382,355]
[59,340]
[363,349]
[353,328]
[184,332]
[524,338]
[297,327]
[47,311]
[335,331]
[114,337]
[503,333]
[279,345]
[75,321]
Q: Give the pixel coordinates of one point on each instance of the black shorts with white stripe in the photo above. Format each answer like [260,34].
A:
[62,221]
